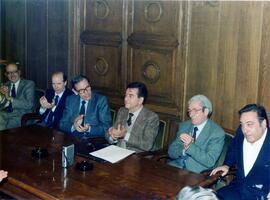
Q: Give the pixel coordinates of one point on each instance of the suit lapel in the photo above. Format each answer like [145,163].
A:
[139,120]
[205,134]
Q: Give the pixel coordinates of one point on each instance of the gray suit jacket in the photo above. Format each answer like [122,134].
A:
[22,103]
[97,115]
[204,153]
[144,130]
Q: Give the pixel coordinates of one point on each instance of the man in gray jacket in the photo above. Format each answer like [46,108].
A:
[199,141]
[16,98]
[135,127]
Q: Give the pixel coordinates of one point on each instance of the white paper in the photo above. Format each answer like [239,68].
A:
[112,153]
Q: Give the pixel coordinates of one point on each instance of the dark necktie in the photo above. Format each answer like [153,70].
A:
[82,111]
[13,91]
[13,94]
[194,133]
[51,113]
[130,115]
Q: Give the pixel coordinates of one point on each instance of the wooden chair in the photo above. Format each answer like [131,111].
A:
[31,118]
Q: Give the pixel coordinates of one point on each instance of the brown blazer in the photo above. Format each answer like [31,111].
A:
[144,130]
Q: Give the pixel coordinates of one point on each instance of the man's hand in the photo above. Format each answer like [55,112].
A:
[45,104]
[78,124]
[118,132]
[3,174]
[268,196]
[186,139]
[223,168]
[4,91]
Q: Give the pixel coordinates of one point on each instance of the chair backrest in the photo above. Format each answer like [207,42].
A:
[159,141]
[38,94]
[228,139]
[113,113]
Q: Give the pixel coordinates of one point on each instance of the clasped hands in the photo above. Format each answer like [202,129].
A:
[117,133]
[4,92]
[78,124]
[186,139]
[45,104]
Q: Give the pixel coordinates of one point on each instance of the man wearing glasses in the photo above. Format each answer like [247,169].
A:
[16,98]
[199,141]
[86,114]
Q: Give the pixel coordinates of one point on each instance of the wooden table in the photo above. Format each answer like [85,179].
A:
[132,178]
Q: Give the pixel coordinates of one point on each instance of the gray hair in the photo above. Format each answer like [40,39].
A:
[205,102]
[196,193]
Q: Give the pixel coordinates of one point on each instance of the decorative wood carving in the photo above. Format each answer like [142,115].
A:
[101,8]
[151,71]
[152,41]
[101,38]
[153,11]
[101,67]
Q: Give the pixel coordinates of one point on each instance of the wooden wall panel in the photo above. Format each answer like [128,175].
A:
[36,42]
[225,39]
[101,46]
[264,77]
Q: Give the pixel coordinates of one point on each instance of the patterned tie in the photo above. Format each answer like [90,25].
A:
[51,113]
[130,115]
[13,94]
[194,133]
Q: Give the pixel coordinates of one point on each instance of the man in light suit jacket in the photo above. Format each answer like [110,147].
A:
[199,141]
[53,103]
[86,114]
[135,127]
[249,151]
[16,98]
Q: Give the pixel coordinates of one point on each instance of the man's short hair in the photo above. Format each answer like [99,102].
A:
[78,79]
[205,103]
[196,193]
[142,90]
[63,75]
[260,110]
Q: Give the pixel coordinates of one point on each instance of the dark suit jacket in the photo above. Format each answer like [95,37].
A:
[58,112]
[259,173]
[204,153]
[98,115]
[144,130]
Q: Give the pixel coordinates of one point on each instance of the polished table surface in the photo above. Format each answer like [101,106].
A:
[132,178]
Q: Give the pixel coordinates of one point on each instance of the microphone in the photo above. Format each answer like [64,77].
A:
[82,121]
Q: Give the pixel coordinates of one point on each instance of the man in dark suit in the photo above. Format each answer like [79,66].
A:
[135,127]
[16,98]
[86,114]
[200,140]
[249,151]
[53,103]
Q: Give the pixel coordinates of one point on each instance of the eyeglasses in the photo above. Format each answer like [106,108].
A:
[11,73]
[194,111]
[82,91]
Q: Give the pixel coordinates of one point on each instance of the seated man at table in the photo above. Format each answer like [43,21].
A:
[199,141]
[16,98]
[86,114]
[249,152]
[53,103]
[135,127]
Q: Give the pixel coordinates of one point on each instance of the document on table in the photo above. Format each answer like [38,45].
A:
[112,153]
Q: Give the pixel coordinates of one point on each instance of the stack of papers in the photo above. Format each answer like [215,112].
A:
[112,153]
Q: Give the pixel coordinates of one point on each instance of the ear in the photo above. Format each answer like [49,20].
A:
[206,111]
[141,99]
[264,123]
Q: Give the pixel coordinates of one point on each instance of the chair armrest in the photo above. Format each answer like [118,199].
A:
[29,116]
